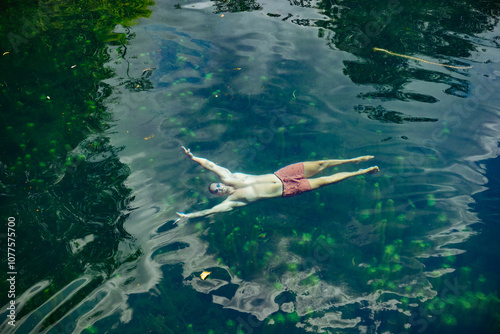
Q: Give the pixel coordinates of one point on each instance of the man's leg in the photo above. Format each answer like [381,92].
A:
[326,180]
[312,168]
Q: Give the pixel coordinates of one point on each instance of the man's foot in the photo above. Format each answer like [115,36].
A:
[370,170]
[363,158]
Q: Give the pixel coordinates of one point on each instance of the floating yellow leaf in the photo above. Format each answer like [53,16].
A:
[204,275]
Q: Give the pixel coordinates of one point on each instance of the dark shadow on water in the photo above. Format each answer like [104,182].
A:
[379,113]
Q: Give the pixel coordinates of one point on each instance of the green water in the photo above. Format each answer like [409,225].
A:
[98,97]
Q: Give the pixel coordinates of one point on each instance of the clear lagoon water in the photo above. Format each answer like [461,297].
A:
[98,97]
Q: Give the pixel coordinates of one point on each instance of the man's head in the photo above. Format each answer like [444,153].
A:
[220,189]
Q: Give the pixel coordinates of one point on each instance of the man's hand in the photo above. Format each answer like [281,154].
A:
[188,152]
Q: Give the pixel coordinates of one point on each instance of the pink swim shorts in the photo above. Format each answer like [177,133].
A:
[294,182]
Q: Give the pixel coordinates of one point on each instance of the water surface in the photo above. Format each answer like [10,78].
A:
[253,87]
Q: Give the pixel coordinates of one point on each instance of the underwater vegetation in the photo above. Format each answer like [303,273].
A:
[374,253]
[59,175]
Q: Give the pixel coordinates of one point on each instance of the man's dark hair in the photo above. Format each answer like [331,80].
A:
[210,189]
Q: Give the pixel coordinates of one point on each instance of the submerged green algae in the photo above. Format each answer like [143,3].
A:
[60,176]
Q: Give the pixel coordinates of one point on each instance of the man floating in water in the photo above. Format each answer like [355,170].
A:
[242,189]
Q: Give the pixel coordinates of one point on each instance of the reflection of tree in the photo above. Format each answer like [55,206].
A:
[136,84]
[437,31]
[236,6]
[379,113]
[59,176]
[429,28]
[433,30]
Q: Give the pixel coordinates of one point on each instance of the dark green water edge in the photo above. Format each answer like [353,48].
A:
[63,180]
[60,178]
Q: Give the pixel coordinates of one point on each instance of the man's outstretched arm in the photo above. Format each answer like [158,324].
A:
[221,172]
[225,206]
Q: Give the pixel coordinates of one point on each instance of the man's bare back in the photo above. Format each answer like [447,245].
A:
[242,189]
